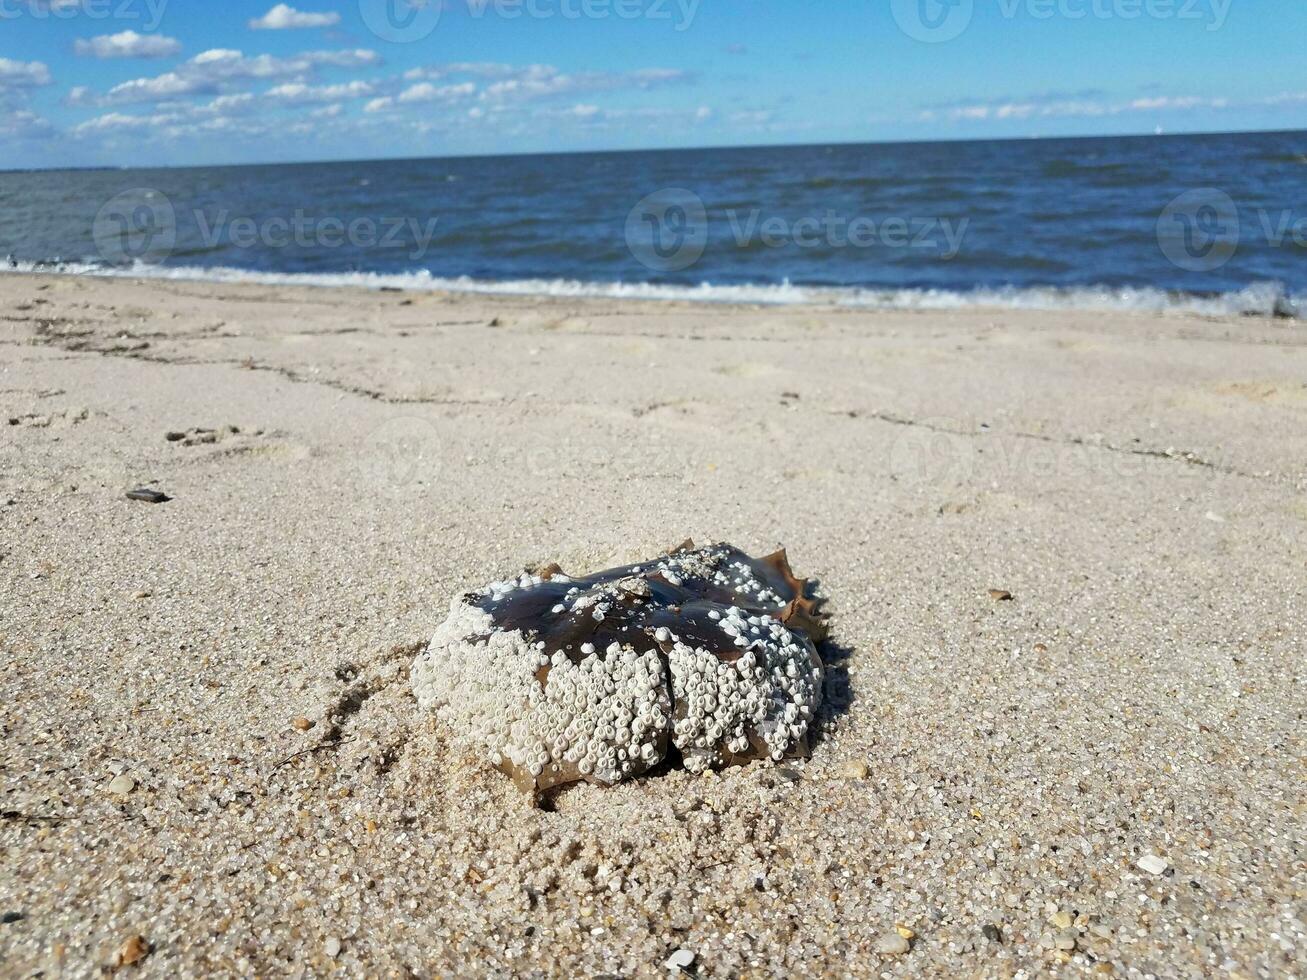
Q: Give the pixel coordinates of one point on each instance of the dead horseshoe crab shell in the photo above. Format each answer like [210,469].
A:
[555,679]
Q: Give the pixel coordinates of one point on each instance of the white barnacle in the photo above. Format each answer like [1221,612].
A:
[609,714]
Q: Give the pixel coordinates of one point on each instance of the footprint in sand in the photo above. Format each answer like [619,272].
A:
[229,440]
[208,437]
[34,420]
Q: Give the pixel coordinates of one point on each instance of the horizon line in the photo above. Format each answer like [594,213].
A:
[669,149]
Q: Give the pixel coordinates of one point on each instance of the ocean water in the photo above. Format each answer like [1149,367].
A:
[1203,223]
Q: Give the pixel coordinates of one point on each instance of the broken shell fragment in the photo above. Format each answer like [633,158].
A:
[556,679]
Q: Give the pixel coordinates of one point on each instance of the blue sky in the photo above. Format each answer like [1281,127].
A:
[88,82]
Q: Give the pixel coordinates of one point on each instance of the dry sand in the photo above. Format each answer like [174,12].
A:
[1136,483]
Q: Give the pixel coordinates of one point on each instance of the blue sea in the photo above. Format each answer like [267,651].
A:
[1214,224]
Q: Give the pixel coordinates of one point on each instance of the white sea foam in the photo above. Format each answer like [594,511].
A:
[1256,299]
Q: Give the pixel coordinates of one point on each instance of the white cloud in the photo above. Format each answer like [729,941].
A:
[22,124]
[128,44]
[1052,107]
[426,92]
[527,82]
[226,103]
[164,86]
[478,69]
[169,125]
[1185,102]
[119,121]
[546,81]
[299,93]
[210,72]
[283,17]
[1286,98]
[216,93]
[22,74]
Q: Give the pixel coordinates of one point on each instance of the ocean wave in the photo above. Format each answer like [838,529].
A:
[1264,299]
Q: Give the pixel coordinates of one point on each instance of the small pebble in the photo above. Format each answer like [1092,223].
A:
[9,917]
[302,723]
[1000,595]
[331,947]
[993,933]
[174,436]
[132,951]
[146,495]
[1153,864]
[854,769]
[682,959]
[892,944]
[122,784]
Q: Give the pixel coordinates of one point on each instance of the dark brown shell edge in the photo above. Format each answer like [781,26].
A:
[804,611]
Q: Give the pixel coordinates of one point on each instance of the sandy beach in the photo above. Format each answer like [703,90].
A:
[1063,554]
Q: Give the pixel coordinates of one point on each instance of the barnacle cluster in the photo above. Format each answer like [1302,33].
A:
[556,679]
